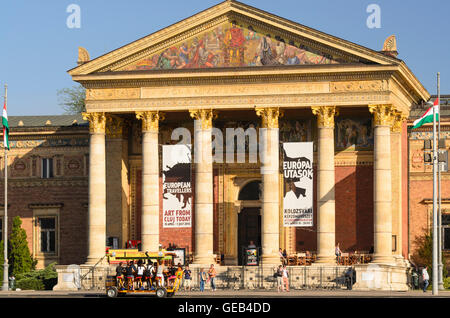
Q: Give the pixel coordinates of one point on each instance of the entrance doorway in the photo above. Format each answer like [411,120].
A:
[249,229]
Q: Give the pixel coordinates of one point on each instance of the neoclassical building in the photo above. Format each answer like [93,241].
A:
[230,66]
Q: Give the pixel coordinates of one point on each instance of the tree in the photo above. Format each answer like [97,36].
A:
[423,256]
[19,256]
[72,99]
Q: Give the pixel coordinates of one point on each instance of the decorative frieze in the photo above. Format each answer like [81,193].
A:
[358,86]
[112,93]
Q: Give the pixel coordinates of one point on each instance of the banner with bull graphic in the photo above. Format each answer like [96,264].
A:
[298,184]
[177,186]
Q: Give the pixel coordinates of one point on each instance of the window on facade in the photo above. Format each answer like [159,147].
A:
[446,231]
[47,168]
[446,235]
[47,231]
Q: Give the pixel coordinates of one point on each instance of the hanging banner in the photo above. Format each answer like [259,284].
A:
[177,189]
[298,184]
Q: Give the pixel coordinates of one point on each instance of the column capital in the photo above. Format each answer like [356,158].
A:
[150,120]
[397,121]
[97,122]
[269,116]
[114,126]
[204,115]
[383,115]
[325,115]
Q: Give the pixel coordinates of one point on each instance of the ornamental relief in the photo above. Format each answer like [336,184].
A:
[358,86]
[73,165]
[112,93]
[233,90]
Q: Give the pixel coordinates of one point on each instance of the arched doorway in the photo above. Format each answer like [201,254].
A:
[249,219]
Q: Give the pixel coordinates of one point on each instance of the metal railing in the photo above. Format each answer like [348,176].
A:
[91,271]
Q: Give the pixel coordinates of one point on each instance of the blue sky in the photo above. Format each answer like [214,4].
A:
[37,48]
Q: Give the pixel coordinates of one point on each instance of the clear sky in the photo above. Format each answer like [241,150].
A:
[37,47]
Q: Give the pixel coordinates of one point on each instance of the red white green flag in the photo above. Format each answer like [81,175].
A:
[428,116]
[5,127]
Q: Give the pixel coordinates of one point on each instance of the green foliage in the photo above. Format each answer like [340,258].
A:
[30,283]
[2,248]
[38,279]
[424,254]
[447,283]
[72,99]
[19,256]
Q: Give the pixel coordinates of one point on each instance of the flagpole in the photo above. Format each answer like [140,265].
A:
[5,220]
[439,222]
[435,249]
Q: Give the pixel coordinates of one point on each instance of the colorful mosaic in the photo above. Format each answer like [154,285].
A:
[232,45]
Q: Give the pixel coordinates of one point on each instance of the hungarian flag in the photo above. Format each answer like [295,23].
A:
[428,116]
[5,127]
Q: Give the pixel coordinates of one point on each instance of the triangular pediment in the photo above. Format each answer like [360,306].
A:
[232,34]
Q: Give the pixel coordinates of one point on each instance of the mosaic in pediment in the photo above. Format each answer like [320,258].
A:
[233,45]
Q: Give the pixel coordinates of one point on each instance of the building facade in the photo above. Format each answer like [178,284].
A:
[47,185]
[234,66]
[421,178]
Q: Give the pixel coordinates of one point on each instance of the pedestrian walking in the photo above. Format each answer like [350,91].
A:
[426,279]
[202,279]
[187,278]
[279,277]
[212,277]
[338,253]
[286,278]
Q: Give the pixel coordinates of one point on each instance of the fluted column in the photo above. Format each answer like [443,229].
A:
[150,180]
[97,187]
[270,175]
[203,202]
[326,228]
[382,115]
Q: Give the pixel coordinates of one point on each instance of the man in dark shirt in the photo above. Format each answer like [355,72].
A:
[120,270]
[131,269]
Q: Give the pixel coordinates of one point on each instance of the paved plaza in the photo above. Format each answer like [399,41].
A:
[229,293]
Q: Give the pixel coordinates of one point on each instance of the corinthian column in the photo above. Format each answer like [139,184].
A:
[270,175]
[150,180]
[203,202]
[382,115]
[397,183]
[326,232]
[97,187]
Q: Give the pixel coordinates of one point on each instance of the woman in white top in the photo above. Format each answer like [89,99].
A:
[140,274]
[160,273]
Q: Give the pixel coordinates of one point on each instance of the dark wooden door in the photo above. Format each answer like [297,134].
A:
[249,229]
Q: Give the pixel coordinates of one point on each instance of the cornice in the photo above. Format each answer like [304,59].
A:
[239,76]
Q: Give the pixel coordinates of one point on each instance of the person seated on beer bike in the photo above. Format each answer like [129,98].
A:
[148,275]
[139,275]
[130,270]
[120,271]
[170,276]
[160,271]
